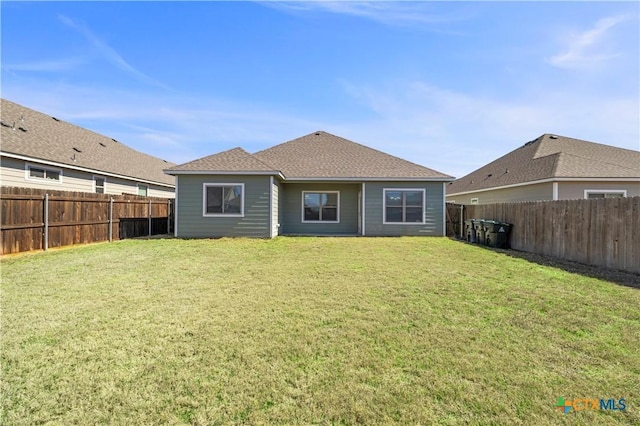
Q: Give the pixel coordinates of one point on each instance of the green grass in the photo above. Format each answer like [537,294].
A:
[310,331]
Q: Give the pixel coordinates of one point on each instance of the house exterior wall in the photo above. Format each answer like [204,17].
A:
[291,220]
[434,210]
[275,207]
[13,173]
[191,223]
[575,190]
[533,192]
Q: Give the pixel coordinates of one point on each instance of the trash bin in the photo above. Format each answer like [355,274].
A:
[478,226]
[497,233]
[469,231]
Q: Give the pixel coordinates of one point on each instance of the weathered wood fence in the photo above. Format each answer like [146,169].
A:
[601,232]
[36,219]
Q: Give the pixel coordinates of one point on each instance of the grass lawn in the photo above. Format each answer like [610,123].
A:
[310,331]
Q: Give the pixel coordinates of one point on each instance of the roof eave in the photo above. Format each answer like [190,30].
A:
[225,172]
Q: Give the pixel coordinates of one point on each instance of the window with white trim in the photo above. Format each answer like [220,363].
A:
[597,193]
[143,190]
[37,173]
[404,205]
[474,201]
[99,184]
[321,206]
[223,199]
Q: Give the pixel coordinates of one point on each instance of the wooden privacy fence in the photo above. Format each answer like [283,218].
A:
[35,219]
[600,232]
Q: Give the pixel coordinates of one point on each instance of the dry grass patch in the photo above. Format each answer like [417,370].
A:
[310,330]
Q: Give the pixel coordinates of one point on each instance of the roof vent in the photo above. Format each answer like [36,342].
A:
[55,119]
[3,124]
[553,137]
[317,133]
[114,140]
[22,129]
[77,149]
[101,144]
[489,175]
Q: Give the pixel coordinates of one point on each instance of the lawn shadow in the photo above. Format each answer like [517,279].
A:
[624,278]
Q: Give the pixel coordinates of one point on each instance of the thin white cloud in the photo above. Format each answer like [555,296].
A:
[389,13]
[109,53]
[587,47]
[456,132]
[46,66]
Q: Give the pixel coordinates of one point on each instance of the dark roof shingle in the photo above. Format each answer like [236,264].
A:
[50,139]
[552,156]
[323,155]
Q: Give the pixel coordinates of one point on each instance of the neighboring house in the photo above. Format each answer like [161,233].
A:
[40,151]
[319,184]
[552,168]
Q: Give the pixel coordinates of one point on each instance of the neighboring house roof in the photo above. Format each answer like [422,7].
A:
[549,157]
[317,156]
[36,136]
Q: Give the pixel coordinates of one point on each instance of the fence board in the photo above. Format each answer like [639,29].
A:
[600,232]
[74,217]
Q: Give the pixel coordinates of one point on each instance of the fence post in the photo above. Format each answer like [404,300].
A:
[168,215]
[46,221]
[462,222]
[111,219]
[149,216]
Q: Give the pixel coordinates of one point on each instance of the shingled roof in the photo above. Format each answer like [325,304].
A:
[234,160]
[552,156]
[319,155]
[38,136]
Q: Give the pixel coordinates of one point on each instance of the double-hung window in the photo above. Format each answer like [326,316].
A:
[223,199]
[99,184]
[320,206]
[404,205]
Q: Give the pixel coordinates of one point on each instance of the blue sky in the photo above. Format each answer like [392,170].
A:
[449,85]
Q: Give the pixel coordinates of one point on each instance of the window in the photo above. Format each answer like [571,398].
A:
[37,173]
[597,193]
[320,206]
[143,190]
[474,201]
[404,206]
[223,199]
[99,184]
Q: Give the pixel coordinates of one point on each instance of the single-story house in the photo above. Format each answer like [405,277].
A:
[41,151]
[318,184]
[552,167]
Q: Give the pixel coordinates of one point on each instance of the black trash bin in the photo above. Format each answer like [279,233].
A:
[497,233]
[469,231]
[478,226]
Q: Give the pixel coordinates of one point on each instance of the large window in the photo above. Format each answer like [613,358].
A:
[320,206]
[37,173]
[404,206]
[223,199]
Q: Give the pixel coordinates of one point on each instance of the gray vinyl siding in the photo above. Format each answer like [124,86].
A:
[575,190]
[374,225]
[13,173]
[192,224]
[533,192]
[292,209]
